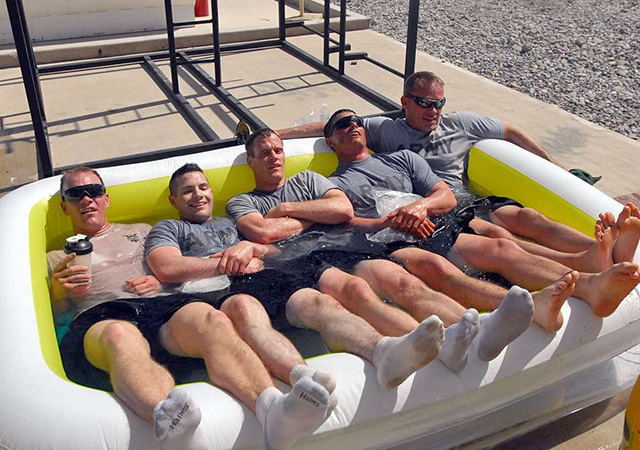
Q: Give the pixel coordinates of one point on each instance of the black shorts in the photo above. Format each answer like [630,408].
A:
[273,287]
[483,206]
[148,314]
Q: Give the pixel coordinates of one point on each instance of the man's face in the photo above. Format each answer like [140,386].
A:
[419,118]
[193,198]
[268,160]
[88,215]
[348,137]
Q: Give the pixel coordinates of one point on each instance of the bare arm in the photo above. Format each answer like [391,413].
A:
[314,129]
[522,139]
[413,217]
[257,228]
[333,208]
[169,266]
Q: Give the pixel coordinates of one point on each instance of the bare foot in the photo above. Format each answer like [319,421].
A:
[600,256]
[549,301]
[605,291]
[628,224]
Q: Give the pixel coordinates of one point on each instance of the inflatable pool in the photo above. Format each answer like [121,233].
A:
[538,377]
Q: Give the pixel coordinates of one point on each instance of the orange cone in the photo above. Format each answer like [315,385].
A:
[201,8]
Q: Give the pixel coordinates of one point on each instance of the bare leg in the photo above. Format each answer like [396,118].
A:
[391,282]
[603,291]
[252,323]
[443,276]
[119,348]
[356,296]
[529,223]
[199,330]
[395,358]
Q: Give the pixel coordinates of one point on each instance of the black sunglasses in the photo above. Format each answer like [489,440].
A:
[345,122]
[427,102]
[79,192]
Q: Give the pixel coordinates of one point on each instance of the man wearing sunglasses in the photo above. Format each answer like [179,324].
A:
[121,341]
[360,172]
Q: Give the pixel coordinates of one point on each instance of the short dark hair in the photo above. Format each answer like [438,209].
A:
[187,168]
[412,80]
[67,173]
[259,134]
[333,119]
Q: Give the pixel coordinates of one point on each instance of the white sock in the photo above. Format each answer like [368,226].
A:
[457,339]
[505,324]
[286,418]
[176,423]
[395,358]
[322,377]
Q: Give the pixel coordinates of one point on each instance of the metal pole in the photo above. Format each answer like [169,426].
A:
[281,21]
[29,72]
[216,43]
[327,31]
[168,10]
[412,38]
[343,35]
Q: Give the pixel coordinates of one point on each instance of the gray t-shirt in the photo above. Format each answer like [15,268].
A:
[446,148]
[304,186]
[402,171]
[193,239]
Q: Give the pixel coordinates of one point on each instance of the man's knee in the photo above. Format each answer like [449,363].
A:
[114,334]
[529,216]
[307,304]
[108,338]
[242,309]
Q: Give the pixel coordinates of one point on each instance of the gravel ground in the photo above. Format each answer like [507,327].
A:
[581,55]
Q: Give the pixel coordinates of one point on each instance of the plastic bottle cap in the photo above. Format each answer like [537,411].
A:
[78,244]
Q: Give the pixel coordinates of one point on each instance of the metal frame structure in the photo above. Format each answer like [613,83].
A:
[214,84]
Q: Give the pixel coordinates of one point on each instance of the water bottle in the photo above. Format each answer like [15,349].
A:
[82,247]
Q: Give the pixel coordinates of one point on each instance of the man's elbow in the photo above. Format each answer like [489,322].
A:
[344,214]
[261,236]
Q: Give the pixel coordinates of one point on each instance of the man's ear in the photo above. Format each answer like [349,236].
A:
[107,200]
[63,206]
[330,143]
[172,200]
[249,160]
[404,101]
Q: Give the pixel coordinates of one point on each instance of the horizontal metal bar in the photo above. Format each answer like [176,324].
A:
[158,154]
[370,95]
[294,23]
[311,30]
[384,66]
[196,61]
[354,56]
[223,95]
[201,128]
[192,22]
[336,48]
[139,59]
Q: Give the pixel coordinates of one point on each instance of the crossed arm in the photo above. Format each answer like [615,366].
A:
[289,218]
[414,217]
[170,266]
